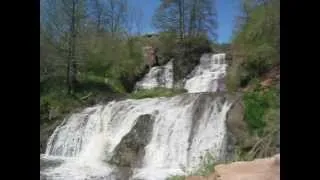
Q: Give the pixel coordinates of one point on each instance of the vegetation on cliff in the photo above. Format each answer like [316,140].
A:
[256,43]
[255,51]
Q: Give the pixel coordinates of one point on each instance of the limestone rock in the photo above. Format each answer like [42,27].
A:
[235,121]
[266,83]
[258,169]
[150,56]
[131,148]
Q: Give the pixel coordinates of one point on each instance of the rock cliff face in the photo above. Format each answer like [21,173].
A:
[131,148]
[150,55]
[258,169]
[235,123]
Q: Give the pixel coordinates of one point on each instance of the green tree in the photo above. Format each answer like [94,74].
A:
[202,18]
[187,17]
[256,43]
[170,16]
[63,21]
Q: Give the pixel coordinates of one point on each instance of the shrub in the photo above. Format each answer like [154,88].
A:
[166,45]
[58,101]
[90,91]
[233,77]
[117,59]
[257,103]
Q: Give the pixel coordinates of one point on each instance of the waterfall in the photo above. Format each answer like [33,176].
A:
[208,76]
[148,139]
[158,76]
[183,128]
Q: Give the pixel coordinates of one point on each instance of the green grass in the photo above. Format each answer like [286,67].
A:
[90,90]
[58,102]
[156,92]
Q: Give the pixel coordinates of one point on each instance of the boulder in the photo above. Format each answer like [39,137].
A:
[131,148]
[258,169]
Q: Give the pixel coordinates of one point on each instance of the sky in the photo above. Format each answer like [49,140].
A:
[227,10]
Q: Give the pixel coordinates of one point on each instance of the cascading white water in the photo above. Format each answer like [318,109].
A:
[208,76]
[158,76]
[184,128]
[181,134]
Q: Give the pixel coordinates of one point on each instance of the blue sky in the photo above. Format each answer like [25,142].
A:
[227,9]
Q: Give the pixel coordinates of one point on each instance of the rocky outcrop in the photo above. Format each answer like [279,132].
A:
[235,120]
[150,56]
[237,128]
[269,79]
[258,169]
[131,148]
